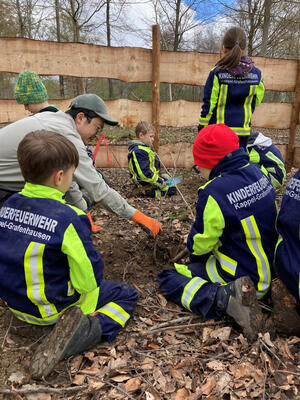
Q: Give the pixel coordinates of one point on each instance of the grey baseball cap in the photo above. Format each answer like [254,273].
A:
[94,103]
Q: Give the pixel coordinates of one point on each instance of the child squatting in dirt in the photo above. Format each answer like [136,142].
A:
[144,164]
[232,240]
[53,275]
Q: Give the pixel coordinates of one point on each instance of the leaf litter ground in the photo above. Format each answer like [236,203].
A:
[164,352]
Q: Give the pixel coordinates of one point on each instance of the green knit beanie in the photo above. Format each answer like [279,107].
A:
[30,89]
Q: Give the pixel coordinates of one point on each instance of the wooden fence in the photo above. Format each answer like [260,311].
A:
[142,65]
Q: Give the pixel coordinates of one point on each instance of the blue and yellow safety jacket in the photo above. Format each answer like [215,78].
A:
[234,230]
[287,253]
[47,260]
[231,100]
[144,166]
[263,153]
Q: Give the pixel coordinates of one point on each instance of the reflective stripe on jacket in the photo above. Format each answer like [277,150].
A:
[47,260]
[234,231]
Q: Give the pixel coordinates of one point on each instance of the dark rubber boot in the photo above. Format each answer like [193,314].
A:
[73,333]
[242,305]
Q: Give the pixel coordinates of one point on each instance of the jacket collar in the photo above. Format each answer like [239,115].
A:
[232,161]
[41,191]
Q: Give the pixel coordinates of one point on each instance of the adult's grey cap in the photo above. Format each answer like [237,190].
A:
[94,103]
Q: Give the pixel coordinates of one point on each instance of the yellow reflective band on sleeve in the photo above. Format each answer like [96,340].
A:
[253,239]
[133,173]
[34,277]
[190,290]
[115,312]
[213,102]
[227,264]
[280,165]
[89,303]
[212,271]
[81,269]
[260,92]
[183,270]
[213,225]
[254,156]
[247,105]
[220,117]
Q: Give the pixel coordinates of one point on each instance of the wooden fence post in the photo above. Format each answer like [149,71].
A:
[156,83]
[294,121]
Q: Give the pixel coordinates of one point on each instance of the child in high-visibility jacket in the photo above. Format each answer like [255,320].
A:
[144,164]
[233,88]
[52,275]
[267,157]
[231,243]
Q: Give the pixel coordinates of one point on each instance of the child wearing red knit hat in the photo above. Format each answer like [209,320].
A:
[232,240]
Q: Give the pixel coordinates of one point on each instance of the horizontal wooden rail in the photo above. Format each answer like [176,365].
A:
[180,152]
[128,64]
[177,113]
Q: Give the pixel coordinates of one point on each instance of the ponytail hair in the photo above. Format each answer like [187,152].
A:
[234,42]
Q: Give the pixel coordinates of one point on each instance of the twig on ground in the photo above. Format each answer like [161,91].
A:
[42,389]
[272,352]
[174,321]
[6,333]
[287,372]
[119,389]
[182,253]
[180,327]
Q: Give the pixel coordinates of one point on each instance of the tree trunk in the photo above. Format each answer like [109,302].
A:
[57,18]
[266,25]
[108,38]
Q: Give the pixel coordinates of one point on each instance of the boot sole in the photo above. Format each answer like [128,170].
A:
[53,347]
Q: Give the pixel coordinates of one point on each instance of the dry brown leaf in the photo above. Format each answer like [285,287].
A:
[154,346]
[184,363]
[78,379]
[284,349]
[95,385]
[76,364]
[182,394]
[117,364]
[93,370]
[162,300]
[132,385]
[221,333]
[206,333]
[216,365]
[120,378]
[176,374]
[242,394]
[148,364]
[222,381]
[38,396]
[208,386]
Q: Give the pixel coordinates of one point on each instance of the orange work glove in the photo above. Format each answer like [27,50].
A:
[95,228]
[152,224]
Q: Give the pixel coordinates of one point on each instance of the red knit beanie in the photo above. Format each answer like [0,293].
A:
[213,143]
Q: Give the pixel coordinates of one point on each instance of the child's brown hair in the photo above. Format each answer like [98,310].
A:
[143,127]
[40,153]
[234,41]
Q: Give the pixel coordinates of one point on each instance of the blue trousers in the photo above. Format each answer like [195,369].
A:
[189,286]
[115,304]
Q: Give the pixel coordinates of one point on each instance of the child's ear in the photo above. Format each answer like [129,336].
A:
[57,177]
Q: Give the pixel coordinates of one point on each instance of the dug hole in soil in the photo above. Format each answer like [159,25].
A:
[164,352]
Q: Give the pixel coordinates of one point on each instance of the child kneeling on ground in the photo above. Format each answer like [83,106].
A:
[52,275]
[231,243]
[144,164]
